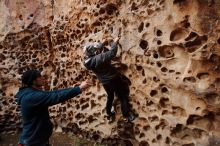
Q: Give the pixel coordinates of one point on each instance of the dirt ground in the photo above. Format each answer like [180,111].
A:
[57,139]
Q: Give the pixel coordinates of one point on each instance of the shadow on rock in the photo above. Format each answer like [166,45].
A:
[125,129]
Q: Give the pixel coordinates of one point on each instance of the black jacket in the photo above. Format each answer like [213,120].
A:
[101,64]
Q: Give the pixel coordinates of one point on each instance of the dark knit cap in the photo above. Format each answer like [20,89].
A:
[29,76]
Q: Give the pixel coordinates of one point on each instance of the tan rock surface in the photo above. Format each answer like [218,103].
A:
[169,49]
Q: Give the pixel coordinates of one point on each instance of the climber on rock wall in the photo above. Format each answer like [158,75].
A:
[98,59]
[34,103]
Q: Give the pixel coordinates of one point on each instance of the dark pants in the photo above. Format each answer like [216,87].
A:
[121,89]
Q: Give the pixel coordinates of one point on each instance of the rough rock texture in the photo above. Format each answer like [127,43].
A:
[169,49]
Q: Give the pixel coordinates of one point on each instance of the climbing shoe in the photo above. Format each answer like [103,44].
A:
[111,117]
[130,118]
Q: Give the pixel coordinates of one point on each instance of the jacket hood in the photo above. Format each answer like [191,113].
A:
[88,63]
[20,95]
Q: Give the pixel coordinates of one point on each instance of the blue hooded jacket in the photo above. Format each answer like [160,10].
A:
[37,127]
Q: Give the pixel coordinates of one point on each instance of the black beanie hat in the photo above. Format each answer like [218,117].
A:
[29,76]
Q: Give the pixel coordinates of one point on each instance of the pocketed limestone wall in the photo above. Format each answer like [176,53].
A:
[169,49]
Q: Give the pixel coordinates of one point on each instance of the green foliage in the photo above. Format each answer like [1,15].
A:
[82,142]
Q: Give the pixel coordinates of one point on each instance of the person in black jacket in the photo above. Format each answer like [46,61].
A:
[34,103]
[99,62]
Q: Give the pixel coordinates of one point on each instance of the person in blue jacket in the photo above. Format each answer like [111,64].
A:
[34,103]
[98,59]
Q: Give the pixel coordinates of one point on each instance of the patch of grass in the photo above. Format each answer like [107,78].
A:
[82,142]
[98,144]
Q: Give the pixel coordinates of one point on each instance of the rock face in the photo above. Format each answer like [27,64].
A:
[169,49]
